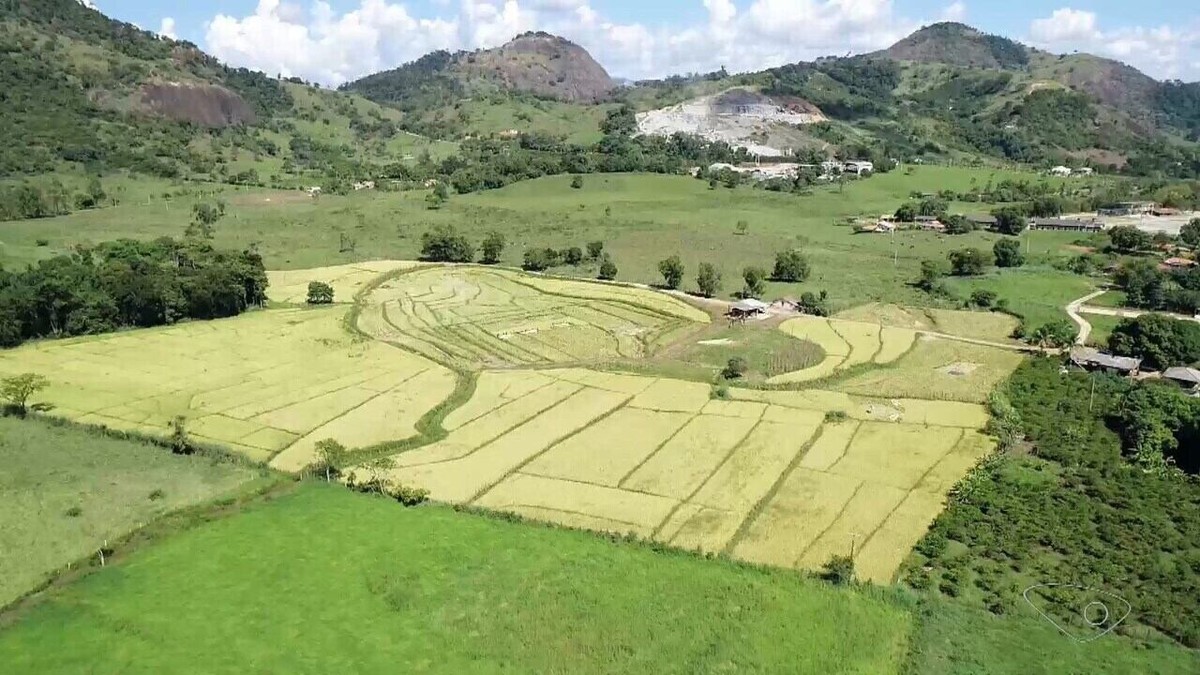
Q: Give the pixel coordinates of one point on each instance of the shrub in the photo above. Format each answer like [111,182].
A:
[790,266]
[816,305]
[839,570]
[755,278]
[836,416]
[42,242]
[708,279]
[444,244]
[608,269]
[74,512]
[983,298]
[595,249]
[492,247]
[407,495]
[1056,334]
[157,494]
[671,270]
[576,182]
[1008,253]
[572,256]
[967,262]
[18,389]
[539,259]
[180,441]
[907,213]
[319,293]
[735,368]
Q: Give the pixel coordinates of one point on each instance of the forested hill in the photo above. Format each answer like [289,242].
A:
[82,92]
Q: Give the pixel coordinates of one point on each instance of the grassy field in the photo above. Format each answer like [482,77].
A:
[1102,327]
[937,369]
[66,491]
[436,591]
[432,590]
[846,344]
[641,219]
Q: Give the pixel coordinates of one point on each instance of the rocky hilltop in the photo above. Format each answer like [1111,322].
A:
[541,64]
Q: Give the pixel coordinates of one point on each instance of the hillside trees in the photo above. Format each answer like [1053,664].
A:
[1009,220]
[967,262]
[444,244]
[608,269]
[790,266]
[1190,233]
[492,247]
[1128,239]
[708,279]
[128,283]
[1161,341]
[672,271]
[1008,253]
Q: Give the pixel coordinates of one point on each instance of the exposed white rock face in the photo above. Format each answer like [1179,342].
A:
[736,116]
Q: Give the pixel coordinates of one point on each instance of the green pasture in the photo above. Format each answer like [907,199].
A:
[324,580]
[641,219]
[66,491]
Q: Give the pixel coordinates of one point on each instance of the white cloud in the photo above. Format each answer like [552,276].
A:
[313,41]
[89,4]
[167,28]
[956,11]
[1164,51]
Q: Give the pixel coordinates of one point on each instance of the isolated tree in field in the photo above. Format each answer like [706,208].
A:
[492,247]
[595,249]
[1190,233]
[671,270]
[1128,239]
[931,273]
[755,279]
[790,266]
[813,304]
[735,368]
[608,269]
[319,293]
[1057,334]
[18,389]
[330,455]
[204,216]
[742,227]
[438,196]
[839,570]
[907,213]
[378,470]
[572,256]
[576,181]
[967,262]
[1009,220]
[444,244]
[708,279]
[957,224]
[1008,253]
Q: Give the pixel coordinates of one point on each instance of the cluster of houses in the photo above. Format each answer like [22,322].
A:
[889,223]
[1093,360]
[1067,172]
[761,172]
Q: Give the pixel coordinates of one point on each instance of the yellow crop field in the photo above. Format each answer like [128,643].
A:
[291,286]
[480,317]
[939,369]
[767,476]
[992,326]
[257,383]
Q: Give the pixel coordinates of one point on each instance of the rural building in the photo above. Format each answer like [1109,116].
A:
[1178,263]
[985,222]
[858,167]
[1060,171]
[1188,378]
[1164,211]
[1094,360]
[1084,171]
[748,309]
[1126,209]
[930,224]
[314,192]
[1066,225]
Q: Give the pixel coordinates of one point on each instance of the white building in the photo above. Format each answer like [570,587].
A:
[1060,171]
[858,167]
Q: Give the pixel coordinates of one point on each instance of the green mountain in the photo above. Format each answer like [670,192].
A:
[80,91]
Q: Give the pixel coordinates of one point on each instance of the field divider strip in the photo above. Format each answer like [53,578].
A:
[709,477]
[602,485]
[756,510]
[846,450]
[510,401]
[558,441]
[568,511]
[652,453]
[841,512]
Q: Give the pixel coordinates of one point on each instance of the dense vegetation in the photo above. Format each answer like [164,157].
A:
[1079,507]
[128,283]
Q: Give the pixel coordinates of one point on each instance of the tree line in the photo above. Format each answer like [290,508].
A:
[126,284]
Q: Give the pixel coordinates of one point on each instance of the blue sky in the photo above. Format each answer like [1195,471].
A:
[334,40]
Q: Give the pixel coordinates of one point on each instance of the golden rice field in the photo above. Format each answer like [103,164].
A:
[267,384]
[846,344]
[473,317]
[763,478]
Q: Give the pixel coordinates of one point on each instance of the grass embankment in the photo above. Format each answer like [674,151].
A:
[65,491]
[323,579]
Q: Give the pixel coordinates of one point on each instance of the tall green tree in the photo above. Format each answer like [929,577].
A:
[672,271]
[708,279]
[755,279]
[1008,253]
[492,247]
[790,266]
[967,262]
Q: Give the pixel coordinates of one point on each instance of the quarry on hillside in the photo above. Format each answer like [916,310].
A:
[762,124]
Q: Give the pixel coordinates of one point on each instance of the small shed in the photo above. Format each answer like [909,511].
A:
[748,308]
[1188,378]
[1094,360]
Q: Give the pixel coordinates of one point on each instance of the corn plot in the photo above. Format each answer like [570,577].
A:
[473,317]
[764,478]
